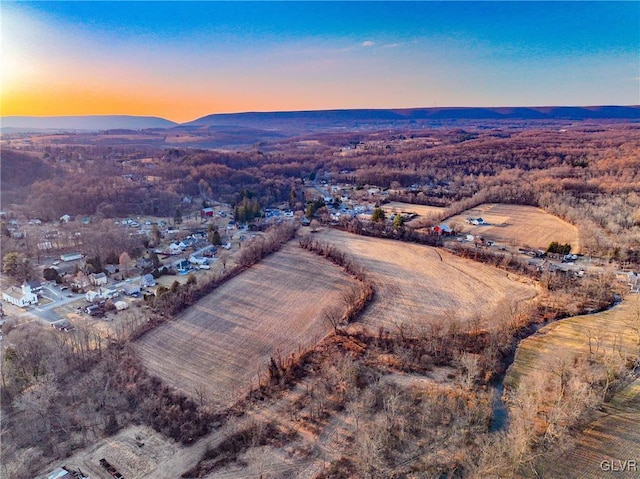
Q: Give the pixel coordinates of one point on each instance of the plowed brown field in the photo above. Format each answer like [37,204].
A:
[217,347]
[517,225]
[416,284]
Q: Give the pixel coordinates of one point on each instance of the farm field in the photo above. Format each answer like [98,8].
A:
[611,327]
[517,225]
[220,345]
[614,437]
[417,284]
[614,433]
[421,210]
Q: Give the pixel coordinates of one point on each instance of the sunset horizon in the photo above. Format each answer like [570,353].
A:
[181,61]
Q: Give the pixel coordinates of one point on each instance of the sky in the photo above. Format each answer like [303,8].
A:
[184,60]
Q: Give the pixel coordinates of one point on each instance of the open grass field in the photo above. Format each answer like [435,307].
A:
[218,346]
[517,225]
[571,335]
[421,210]
[416,284]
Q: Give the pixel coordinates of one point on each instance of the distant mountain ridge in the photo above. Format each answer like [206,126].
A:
[88,122]
[328,117]
[317,120]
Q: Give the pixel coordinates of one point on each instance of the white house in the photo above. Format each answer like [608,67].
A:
[110,293]
[65,218]
[174,248]
[92,295]
[197,260]
[20,296]
[98,279]
[121,305]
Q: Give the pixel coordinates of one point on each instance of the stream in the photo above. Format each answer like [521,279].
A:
[500,411]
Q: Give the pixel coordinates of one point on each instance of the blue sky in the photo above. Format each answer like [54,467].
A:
[182,60]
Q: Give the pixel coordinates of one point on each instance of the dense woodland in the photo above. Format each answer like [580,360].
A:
[586,174]
[60,392]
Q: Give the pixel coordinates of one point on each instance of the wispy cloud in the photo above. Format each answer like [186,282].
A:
[368,43]
[391,45]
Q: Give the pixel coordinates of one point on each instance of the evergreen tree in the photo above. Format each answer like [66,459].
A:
[378,215]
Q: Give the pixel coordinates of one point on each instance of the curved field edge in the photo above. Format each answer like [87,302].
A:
[609,329]
[417,285]
[219,347]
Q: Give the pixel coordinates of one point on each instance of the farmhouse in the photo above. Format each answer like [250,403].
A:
[206,212]
[442,229]
[20,296]
[98,279]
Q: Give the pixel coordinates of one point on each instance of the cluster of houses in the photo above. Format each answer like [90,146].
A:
[195,240]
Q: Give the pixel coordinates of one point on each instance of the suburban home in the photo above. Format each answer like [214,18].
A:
[143,263]
[94,310]
[174,248]
[197,260]
[110,269]
[80,281]
[131,289]
[20,296]
[110,293]
[35,286]
[184,266]
[65,218]
[121,305]
[91,296]
[98,279]
[148,280]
